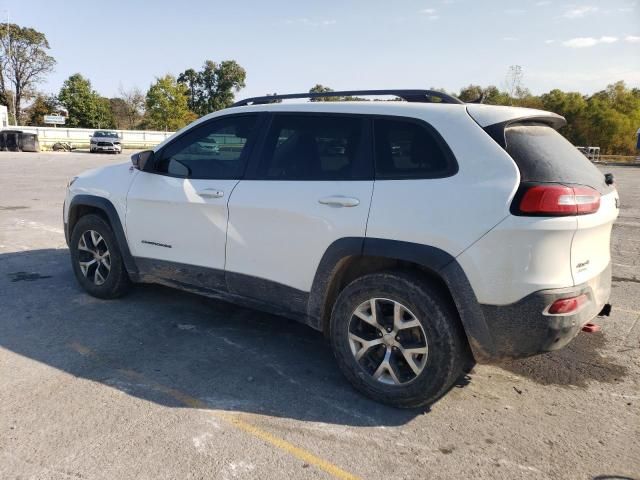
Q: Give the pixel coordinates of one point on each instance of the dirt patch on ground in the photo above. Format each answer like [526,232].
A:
[577,364]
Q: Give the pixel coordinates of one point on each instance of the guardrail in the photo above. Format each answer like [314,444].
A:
[79,137]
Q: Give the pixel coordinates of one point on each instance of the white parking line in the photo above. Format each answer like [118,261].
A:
[37,226]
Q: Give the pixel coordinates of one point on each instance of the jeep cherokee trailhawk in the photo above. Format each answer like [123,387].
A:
[419,236]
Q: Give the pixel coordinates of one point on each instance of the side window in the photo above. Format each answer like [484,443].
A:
[407,149]
[213,150]
[306,147]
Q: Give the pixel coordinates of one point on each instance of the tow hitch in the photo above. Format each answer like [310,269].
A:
[594,327]
[591,327]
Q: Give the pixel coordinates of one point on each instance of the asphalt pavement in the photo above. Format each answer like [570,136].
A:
[163,384]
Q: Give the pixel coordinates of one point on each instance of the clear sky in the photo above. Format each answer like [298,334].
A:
[288,45]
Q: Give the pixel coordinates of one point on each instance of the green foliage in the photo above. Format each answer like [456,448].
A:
[42,105]
[23,64]
[471,93]
[572,106]
[131,108]
[86,109]
[214,87]
[104,114]
[608,119]
[119,110]
[319,88]
[167,105]
[612,117]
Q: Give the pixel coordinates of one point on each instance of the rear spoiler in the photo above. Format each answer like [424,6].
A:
[494,119]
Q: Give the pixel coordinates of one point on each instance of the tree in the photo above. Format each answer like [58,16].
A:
[214,87]
[86,109]
[42,105]
[490,95]
[119,111]
[471,93]
[612,118]
[513,80]
[167,105]
[104,114]
[572,106]
[191,79]
[493,96]
[134,102]
[319,88]
[23,63]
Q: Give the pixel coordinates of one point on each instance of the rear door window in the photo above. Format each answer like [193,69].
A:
[543,155]
[407,149]
[309,147]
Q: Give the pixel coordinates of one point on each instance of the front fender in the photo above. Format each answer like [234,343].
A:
[91,203]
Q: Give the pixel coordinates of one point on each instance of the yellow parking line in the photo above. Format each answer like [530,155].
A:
[298,452]
[230,419]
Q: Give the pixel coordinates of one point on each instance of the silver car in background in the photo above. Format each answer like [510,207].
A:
[105,141]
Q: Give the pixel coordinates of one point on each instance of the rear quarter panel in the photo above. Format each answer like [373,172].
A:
[448,213]
[591,248]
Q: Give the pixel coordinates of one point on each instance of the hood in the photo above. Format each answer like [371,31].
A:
[107,171]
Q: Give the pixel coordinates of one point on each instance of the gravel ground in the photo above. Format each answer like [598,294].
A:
[164,384]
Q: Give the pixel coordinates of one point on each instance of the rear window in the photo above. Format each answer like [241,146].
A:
[407,149]
[543,155]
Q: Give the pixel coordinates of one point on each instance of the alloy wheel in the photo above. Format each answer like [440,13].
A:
[388,341]
[94,257]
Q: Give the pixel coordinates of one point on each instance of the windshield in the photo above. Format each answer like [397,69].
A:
[106,134]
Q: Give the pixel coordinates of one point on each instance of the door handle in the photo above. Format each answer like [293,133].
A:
[211,193]
[339,201]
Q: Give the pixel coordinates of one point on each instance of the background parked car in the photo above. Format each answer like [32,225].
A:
[105,141]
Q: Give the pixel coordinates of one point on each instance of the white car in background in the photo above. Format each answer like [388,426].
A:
[105,141]
[419,236]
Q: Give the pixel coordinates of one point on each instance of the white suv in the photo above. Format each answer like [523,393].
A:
[419,236]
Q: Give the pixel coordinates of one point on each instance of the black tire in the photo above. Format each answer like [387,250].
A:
[116,281]
[448,350]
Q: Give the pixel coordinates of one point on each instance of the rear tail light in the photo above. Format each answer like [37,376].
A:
[558,200]
[564,306]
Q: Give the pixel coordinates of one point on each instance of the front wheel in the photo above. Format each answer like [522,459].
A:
[397,339]
[96,258]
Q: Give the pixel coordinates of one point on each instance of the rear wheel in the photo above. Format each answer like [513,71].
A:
[397,339]
[96,258]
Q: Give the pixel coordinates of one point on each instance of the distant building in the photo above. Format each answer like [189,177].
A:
[4,116]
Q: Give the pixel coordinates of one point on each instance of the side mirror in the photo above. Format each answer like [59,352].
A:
[143,160]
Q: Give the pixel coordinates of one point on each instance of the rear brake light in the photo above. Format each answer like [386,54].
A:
[567,305]
[559,200]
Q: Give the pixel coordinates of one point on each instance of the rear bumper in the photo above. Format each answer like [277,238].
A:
[521,329]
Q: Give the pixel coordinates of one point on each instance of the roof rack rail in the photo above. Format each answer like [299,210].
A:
[420,96]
